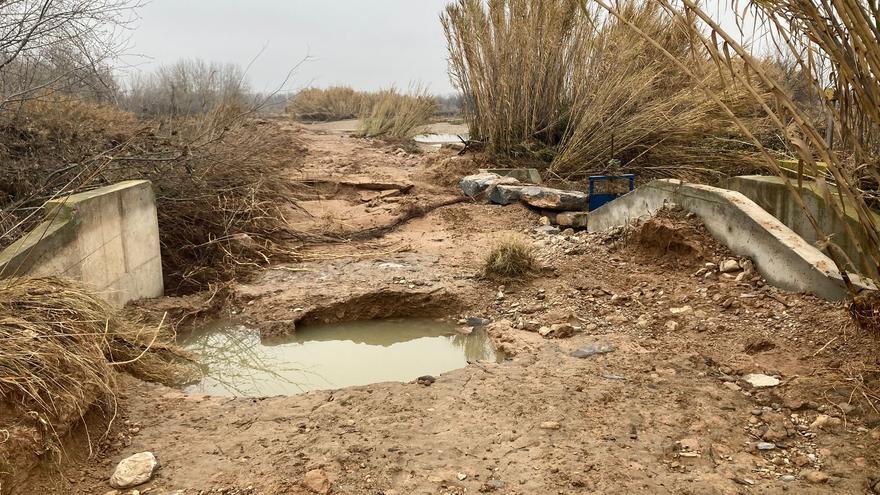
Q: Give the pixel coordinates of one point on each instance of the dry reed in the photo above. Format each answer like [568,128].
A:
[508,258]
[397,115]
[543,79]
[334,103]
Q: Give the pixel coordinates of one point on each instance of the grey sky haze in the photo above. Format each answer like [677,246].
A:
[366,44]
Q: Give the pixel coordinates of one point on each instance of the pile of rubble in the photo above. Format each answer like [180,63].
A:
[561,207]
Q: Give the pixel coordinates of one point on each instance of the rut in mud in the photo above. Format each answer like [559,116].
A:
[662,402]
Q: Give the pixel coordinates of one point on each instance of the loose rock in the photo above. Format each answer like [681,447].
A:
[134,470]
[816,477]
[317,482]
[593,350]
[759,380]
[729,266]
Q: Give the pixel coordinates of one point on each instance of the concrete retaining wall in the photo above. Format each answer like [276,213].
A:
[771,194]
[107,238]
[782,257]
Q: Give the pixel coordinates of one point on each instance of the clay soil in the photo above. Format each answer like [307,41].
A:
[667,411]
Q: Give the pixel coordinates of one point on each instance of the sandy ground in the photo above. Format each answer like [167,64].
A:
[667,411]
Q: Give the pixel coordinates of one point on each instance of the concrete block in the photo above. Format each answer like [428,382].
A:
[107,238]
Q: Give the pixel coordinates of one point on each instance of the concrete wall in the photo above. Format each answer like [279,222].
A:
[782,257]
[771,194]
[107,238]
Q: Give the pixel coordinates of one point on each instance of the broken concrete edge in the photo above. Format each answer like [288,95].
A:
[525,175]
[359,183]
[49,236]
[782,257]
[107,238]
[772,194]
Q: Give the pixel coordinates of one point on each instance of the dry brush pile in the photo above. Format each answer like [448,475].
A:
[60,350]
[573,88]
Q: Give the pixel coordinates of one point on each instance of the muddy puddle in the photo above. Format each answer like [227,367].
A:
[238,363]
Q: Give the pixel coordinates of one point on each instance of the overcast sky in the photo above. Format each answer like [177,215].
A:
[366,44]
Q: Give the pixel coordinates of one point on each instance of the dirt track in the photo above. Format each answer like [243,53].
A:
[659,414]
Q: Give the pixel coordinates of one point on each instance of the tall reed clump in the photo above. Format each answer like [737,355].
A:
[397,115]
[837,46]
[327,104]
[548,80]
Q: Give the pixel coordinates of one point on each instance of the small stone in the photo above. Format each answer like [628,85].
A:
[134,470]
[545,221]
[593,350]
[426,380]
[671,325]
[462,476]
[759,380]
[787,478]
[766,446]
[732,386]
[816,477]
[729,266]
[684,310]
[317,482]
[824,422]
[550,425]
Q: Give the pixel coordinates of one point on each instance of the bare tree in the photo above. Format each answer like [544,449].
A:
[59,45]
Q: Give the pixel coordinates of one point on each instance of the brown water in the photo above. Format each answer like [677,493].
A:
[237,362]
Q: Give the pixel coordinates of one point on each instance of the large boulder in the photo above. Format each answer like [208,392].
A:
[474,185]
[540,197]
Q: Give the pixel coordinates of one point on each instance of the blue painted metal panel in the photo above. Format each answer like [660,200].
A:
[598,199]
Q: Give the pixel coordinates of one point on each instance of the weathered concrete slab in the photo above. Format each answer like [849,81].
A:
[525,175]
[475,185]
[771,193]
[107,238]
[358,183]
[782,257]
[540,197]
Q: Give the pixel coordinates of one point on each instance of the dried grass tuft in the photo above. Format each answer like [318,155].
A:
[60,349]
[508,258]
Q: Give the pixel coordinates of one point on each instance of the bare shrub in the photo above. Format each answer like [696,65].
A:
[59,45]
[188,87]
[397,115]
[509,257]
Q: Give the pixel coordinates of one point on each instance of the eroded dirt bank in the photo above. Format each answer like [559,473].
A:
[667,411]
